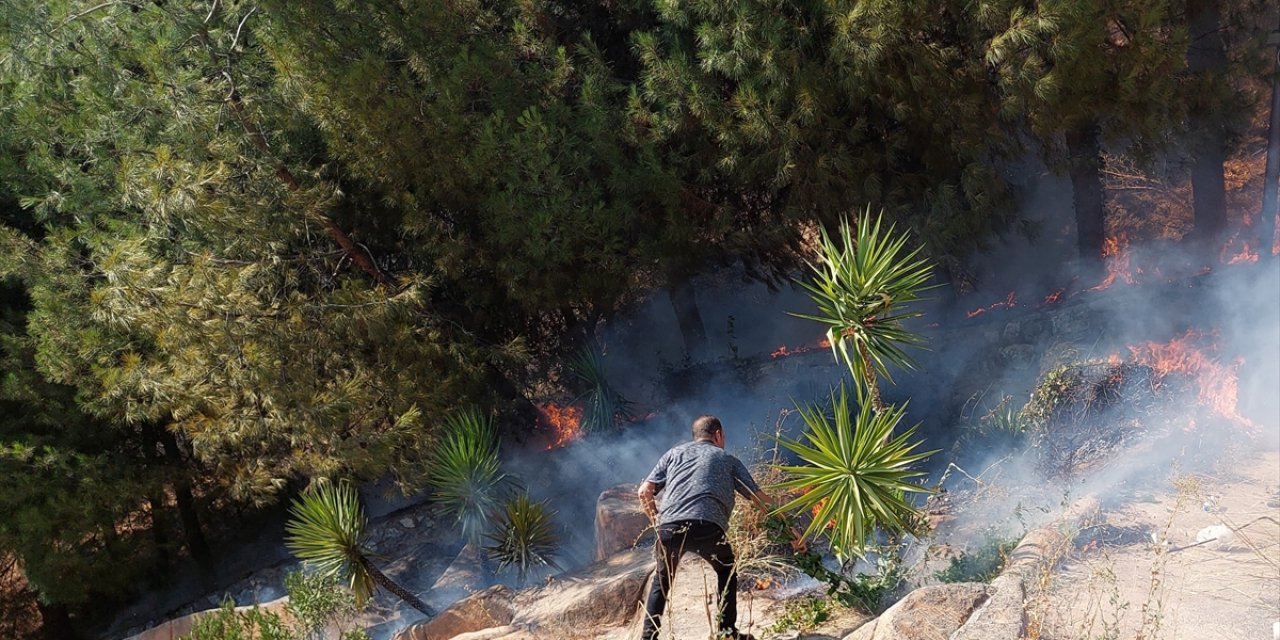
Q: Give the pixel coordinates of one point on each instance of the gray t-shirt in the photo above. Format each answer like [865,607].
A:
[698,480]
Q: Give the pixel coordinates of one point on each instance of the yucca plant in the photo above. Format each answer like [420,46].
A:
[327,532]
[861,283]
[602,406]
[523,536]
[854,474]
[466,472]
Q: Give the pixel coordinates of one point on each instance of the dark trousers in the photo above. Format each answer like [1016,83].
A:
[708,541]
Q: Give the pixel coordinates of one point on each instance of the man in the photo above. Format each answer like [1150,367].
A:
[698,481]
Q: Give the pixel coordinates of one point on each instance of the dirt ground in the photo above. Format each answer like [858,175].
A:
[1136,575]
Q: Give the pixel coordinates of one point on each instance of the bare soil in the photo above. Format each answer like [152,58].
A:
[1136,573]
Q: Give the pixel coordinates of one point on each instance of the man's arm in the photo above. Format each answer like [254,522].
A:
[766,504]
[650,506]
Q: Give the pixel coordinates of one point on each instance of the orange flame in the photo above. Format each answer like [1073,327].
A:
[1245,255]
[1055,297]
[1218,383]
[1115,251]
[831,524]
[565,423]
[1008,303]
[767,582]
[784,351]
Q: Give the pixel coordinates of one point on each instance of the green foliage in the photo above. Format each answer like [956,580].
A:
[466,473]
[603,407]
[186,270]
[814,109]
[802,614]
[866,592]
[982,564]
[855,473]
[315,604]
[861,285]
[327,531]
[1071,65]
[523,536]
[67,481]
[228,624]
[1003,425]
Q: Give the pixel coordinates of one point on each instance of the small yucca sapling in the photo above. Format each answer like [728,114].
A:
[524,536]
[861,283]
[466,472]
[854,474]
[327,532]
[603,408]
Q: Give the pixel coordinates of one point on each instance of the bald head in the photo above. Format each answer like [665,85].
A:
[706,428]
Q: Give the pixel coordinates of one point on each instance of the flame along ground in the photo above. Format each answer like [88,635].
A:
[1121,268]
[1194,354]
[784,351]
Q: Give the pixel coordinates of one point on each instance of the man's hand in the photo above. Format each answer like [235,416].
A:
[650,506]
[767,504]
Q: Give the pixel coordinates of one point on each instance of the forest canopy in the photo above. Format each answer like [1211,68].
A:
[247,244]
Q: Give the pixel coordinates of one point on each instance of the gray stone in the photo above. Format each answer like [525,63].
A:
[1012,332]
[928,613]
[1019,357]
[1002,616]
[408,523]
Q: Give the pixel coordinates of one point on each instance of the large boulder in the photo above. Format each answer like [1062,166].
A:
[486,609]
[605,594]
[465,575]
[928,613]
[620,521]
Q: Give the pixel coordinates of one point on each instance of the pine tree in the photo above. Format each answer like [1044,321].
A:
[191,277]
[1086,75]
[813,110]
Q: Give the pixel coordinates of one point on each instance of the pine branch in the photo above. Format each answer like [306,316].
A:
[358,254]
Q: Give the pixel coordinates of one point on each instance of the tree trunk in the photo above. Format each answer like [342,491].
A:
[1207,61]
[192,531]
[383,581]
[872,380]
[1085,158]
[1271,184]
[55,621]
[684,302]
[155,497]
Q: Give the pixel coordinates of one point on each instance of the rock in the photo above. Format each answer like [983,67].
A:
[1002,616]
[408,523]
[482,610]
[492,633]
[928,613]
[1019,357]
[1076,323]
[603,594]
[464,576]
[620,521]
[1012,331]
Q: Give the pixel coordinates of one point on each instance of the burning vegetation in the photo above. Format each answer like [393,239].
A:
[1080,414]
[563,423]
